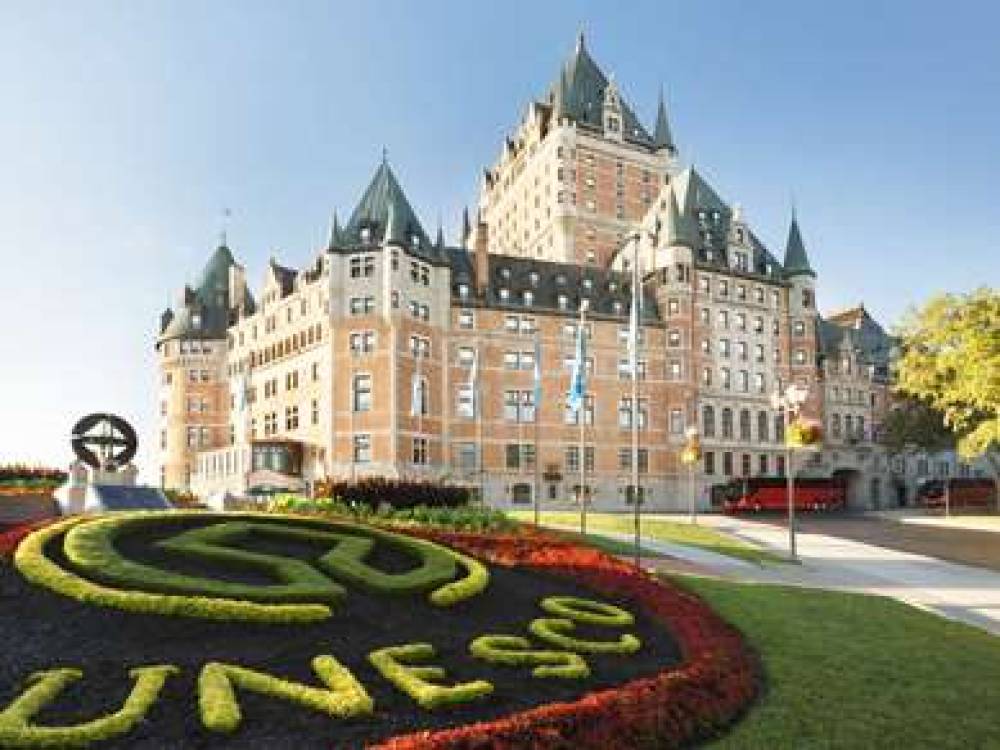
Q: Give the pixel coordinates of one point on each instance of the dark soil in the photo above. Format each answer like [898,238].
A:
[41,630]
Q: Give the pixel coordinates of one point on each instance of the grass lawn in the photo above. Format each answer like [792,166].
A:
[607,544]
[659,529]
[852,671]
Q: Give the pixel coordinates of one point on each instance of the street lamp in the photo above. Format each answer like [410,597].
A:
[691,455]
[790,402]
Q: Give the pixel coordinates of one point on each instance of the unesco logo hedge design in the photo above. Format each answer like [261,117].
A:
[83,559]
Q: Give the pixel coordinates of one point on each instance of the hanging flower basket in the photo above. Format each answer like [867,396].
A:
[804,433]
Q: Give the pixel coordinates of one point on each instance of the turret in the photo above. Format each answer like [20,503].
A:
[663,139]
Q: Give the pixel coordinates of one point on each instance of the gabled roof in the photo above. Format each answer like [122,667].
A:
[856,329]
[384,197]
[579,90]
[796,260]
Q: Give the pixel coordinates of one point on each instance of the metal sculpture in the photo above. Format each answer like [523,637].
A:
[104,441]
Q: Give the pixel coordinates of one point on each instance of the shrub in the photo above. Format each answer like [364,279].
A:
[553,630]
[16,730]
[587,611]
[463,518]
[415,681]
[376,492]
[515,651]
[24,473]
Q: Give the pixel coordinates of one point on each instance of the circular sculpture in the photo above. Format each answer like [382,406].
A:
[104,440]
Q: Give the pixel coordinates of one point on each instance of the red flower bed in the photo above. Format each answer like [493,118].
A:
[694,700]
[11,537]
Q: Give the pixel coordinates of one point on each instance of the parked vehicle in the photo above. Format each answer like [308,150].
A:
[962,493]
[757,494]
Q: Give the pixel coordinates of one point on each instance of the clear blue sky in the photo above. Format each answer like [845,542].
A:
[126,127]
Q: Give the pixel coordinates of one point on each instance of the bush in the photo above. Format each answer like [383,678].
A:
[464,518]
[376,492]
[24,473]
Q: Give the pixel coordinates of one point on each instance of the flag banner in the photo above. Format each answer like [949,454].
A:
[538,375]
[578,384]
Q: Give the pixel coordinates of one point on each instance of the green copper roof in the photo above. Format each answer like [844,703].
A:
[662,137]
[204,311]
[580,88]
[373,213]
[796,260]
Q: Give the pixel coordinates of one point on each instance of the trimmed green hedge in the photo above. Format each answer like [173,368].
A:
[30,560]
[303,592]
[554,630]
[344,696]
[17,731]
[416,681]
[515,651]
[587,611]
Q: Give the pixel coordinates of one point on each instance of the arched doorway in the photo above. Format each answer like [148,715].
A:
[856,494]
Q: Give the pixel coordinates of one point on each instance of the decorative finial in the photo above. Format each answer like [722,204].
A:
[579,41]
[385,155]
[226,214]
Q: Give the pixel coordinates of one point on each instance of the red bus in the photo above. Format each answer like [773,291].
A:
[756,494]
[962,493]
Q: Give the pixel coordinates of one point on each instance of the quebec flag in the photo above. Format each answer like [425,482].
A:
[578,381]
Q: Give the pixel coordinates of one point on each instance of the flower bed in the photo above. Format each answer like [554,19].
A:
[697,699]
[669,699]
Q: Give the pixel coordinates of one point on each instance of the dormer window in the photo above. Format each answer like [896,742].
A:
[504,294]
[366,234]
[588,284]
[612,286]
[617,307]
[463,291]
[505,273]
[415,240]
[561,279]
[529,298]
[533,276]
[196,320]
[563,301]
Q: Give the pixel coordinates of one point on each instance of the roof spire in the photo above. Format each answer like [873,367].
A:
[662,137]
[678,228]
[439,242]
[580,47]
[334,232]
[226,214]
[385,156]
[796,260]
[466,228]
[559,100]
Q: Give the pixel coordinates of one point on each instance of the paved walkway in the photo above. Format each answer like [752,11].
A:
[960,592]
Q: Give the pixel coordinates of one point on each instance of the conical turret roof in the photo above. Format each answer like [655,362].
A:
[796,261]
[373,212]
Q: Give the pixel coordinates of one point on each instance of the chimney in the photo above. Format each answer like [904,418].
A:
[482,261]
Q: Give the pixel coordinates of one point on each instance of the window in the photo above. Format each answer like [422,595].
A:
[706,316]
[706,377]
[674,370]
[625,459]
[723,288]
[744,381]
[708,421]
[466,319]
[741,321]
[800,356]
[723,318]
[362,449]
[779,428]
[762,422]
[420,397]
[758,352]
[625,413]
[466,356]
[573,458]
[573,417]
[676,422]
[798,328]
[465,402]
[741,350]
[762,464]
[625,369]
[745,464]
[291,418]
[420,450]
[727,423]
[420,347]
[520,455]
[362,393]
[673,307]
[465,456]
[362,342]
[362,266]
[519,406]
[727,379]
[673,338]
[362,305]
[709,462]
[745,425]
[727,464]
[315,411]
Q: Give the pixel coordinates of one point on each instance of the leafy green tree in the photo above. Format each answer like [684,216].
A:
[951,363]
[912,424]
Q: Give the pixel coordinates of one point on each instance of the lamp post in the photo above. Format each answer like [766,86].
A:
[691,455]
[791,402]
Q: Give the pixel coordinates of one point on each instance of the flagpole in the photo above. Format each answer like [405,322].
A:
[634,335]
[582,417]
[537,397]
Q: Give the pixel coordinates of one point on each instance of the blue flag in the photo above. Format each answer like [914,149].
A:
[578,381]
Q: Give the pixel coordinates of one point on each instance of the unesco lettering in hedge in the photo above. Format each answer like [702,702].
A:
[123,562]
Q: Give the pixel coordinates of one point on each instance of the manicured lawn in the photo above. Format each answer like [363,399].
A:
[607,544]
[852,671]
[658,529]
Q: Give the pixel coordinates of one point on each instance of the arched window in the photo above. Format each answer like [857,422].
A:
[727,422]
[762,427]
[708,421]
[745,426]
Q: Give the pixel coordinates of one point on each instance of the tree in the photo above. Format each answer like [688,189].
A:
[912,424]
[951,362]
